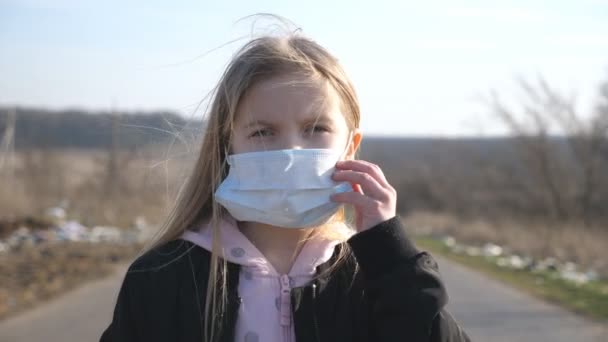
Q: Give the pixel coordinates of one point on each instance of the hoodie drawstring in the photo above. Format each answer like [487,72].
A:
[285,301]
[314,317]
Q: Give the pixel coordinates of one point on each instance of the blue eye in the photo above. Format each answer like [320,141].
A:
[260,133]
[318,129]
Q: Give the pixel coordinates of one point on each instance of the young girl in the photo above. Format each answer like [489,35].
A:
[258,248]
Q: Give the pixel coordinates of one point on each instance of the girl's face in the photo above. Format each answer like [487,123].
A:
[290,112]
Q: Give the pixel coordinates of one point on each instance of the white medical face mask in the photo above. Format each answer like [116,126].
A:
[284,188]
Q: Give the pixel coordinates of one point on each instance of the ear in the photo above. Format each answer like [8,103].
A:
[354,144]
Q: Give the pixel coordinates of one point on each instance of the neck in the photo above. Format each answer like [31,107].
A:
[279,245]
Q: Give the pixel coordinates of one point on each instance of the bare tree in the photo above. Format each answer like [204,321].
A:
[7,145]
[572,182]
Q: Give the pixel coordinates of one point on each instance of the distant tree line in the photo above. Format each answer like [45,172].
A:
[39,128]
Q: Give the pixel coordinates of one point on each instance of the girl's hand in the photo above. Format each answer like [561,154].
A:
[374,198]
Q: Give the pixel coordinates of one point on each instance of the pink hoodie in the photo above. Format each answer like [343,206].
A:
[265,310]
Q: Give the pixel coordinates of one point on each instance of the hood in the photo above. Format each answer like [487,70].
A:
[236,248]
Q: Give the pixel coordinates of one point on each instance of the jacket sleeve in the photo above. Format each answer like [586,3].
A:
[405,292]
[122,328]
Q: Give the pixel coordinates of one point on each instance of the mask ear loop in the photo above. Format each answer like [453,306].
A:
[226,155]
[348,142]
[342,155]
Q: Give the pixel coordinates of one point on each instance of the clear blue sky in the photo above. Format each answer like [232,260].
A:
[418,65]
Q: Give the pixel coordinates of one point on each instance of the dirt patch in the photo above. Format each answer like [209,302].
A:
[34,274]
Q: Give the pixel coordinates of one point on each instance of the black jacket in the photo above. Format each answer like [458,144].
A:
[396,295]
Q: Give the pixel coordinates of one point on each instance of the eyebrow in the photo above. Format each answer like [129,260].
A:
[258,123]
[322,118]
[317,118]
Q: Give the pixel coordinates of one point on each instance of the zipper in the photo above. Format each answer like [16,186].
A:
[314,317]
[285,307]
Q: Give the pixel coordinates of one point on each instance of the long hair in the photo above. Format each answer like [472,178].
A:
[260,59]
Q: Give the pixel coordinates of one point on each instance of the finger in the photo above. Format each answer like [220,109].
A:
[354,198]
[357,188]
[368,184]
[364,166]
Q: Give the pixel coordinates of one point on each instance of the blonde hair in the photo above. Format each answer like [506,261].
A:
[260,59]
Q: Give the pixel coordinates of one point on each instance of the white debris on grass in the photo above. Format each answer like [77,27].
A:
[492,250]
[56,214]
[574,277]
[20,237]
[547,264]
[449,241]
[4,248]
[105,234]
[143,230]
[513,261]
[72,230]
[567,271]
[140,223]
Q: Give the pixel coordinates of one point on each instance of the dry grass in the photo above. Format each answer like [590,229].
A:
[568,242]
[35,274]
[101,188]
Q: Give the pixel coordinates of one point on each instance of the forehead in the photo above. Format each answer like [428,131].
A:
[289,97]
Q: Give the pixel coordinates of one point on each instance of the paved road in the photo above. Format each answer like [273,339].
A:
[78,316]
[488,310]
[491,311]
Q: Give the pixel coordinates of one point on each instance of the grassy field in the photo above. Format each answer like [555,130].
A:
[589,299]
